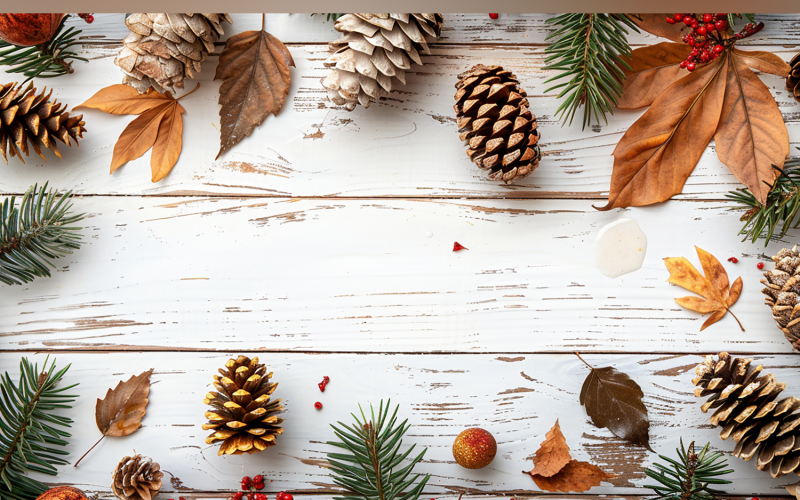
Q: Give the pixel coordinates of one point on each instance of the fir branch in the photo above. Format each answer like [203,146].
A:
[368,470]
[589,51]
[688,478]
[32,437]
[34,233]
[783,203]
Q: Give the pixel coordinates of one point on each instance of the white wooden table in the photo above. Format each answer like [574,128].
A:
[323,243]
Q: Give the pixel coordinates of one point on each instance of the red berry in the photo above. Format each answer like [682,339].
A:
[760,265]
[679,17]
[285,496]
[670,20]
[683,64]
[90,19]
[258,486]
[695,24]
[702,30]
[710,27]
[246,482]
[691,66]
[258,479]
[687,21]
[724,14]
[720,25]
[707,18]
[238,495]
[318,405]
[493,16]
[718,48]
[251,496]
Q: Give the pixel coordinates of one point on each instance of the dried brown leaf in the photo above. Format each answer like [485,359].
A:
[553,454]
[138,137]
[167,147]
[713,288]
[658,153]
[575,476]
[656,25]
[125,100]
[653,69]
[751,136]
[254,67]
[766,62]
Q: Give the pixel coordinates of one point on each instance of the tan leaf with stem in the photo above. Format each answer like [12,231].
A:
[653,69]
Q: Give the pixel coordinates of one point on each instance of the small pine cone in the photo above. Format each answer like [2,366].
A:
[783,293]
[136,478]
[494,120]
[375,50]
[793,80]
[164,49]
[243,417]
[28,116]
[63,493]
[747,407]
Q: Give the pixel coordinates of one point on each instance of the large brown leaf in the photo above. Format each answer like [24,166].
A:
[656,24]
[254,67]
[553,454]
[120,412]
[751,136]
[125,100]
[653,69]
[658,153]
[716,296]
[614,401]
[575,476]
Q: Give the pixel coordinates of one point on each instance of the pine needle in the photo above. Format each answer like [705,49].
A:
[688,477]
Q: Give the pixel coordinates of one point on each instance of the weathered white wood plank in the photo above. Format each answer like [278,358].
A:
[521,28]
[405,146]
[363,275]
[517,398]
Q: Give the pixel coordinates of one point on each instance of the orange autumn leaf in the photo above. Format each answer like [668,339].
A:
[716,293]
[125,100]
[553,454]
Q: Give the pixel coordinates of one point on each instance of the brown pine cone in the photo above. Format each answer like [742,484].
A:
[793,80]
[783,293]
[26,116]
[493,118]
[62,493]
[136,478]
[747,407]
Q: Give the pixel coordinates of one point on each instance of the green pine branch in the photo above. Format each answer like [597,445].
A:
[32,435]
[689,477]
[589,51]
[46,60]
[373,468]
[783,203]
[39,230]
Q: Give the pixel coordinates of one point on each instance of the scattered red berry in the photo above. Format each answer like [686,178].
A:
[259,496]
[760,265]
[258,478]
[284,496]
[258,486]
[493,16]
[733,259]
[318,405]
[458,246]
[324,383]
[246,483]
[87,17]
[238,495]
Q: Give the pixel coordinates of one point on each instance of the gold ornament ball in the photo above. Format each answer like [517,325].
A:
[63,493]
[474,448]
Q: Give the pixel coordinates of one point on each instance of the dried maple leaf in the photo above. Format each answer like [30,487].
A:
[613,400]
[120,412]
[159,126]
[553,453]
[723,100]
[254,67]
[714,289]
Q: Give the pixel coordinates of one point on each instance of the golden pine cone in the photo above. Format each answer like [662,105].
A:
[494,120]
[783,293]
[243,417]
[375,50]
[136,478]
[793,80]
[747,407]
[164,49]
[62,493]
[28,116]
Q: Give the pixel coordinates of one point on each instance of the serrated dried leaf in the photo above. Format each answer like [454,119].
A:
[575,476]
[553,454]
[655,24]
[254,67]
[613,400]
[125,100]
[716,296]
[653,69]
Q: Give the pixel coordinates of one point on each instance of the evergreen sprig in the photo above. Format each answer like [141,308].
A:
[46,60]
[32,435]
[589,50]
[688,477]
[367,471]
[39,230]
[783,203]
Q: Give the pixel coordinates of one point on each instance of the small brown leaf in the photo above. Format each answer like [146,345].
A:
[653,69]
[657,25]
[254,67]
[713,287]
[167,147]
[766,62]
[553,454]
[138,137]
[125,100]
[575,476]
[614,400]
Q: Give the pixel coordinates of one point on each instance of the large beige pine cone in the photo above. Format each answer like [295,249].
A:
[136,478]
[164,49]
[375,51]
[783,293]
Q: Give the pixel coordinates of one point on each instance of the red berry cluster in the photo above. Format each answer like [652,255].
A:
[709,36]
[251,486]
[87,17]
[324,382]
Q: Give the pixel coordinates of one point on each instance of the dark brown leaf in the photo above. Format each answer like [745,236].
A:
[653,69]
[254,67]
[656,24]
[658,153]
[614,401]
[575,476]
[751,136]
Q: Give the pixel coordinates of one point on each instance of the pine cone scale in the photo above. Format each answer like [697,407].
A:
[782,293]
[793,80]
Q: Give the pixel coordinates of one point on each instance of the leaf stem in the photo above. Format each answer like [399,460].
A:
[190,92]
[584,362]
[263,21]
[737,319]
[90,449]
